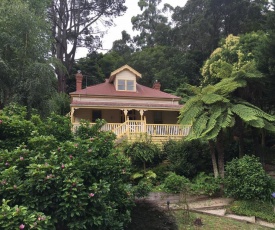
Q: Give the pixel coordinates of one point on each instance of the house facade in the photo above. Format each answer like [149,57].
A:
[131,110]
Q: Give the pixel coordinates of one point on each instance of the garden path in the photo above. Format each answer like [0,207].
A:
[203,204]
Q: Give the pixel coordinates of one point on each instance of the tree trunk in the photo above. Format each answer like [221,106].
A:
[220,149]
[213,157]
[240,134]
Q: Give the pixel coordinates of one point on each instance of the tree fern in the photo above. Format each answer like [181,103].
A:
[212,98]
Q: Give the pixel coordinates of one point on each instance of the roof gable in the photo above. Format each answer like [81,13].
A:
[125,67]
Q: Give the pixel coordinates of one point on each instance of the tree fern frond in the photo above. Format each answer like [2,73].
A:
[194,89]
[200,125]
[228,85]
[246,113]
[228,119]
[259,112]
[193,101]
[212,98]
[213,133]
[208,89]
[269,126]
[259,123]
[215,113]
[190,112]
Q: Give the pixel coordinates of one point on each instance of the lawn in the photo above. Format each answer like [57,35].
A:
[148,216]
[210,222]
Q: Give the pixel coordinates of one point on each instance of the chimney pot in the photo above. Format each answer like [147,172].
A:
[156,85]
[78,78]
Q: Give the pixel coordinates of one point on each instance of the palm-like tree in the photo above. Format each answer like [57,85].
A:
[219,107]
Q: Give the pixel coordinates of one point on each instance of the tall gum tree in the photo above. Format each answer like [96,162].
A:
[76,23]
[24,56]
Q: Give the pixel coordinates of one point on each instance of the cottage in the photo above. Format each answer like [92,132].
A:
[131,110]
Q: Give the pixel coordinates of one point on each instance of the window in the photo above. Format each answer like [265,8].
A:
[125,85]
[130,85]
[96,115]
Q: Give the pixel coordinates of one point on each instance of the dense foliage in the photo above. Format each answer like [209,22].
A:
[227,101]
[26,73]
[245,179]
[174,183]
[72,182]
[187,158]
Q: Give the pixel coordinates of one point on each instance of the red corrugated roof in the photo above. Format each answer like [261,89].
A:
[107,89]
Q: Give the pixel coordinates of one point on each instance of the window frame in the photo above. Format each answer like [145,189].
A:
[125,85]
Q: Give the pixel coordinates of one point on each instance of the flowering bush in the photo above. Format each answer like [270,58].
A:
[75,183]
[20,217]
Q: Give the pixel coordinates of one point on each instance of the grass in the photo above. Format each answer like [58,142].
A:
[210,222]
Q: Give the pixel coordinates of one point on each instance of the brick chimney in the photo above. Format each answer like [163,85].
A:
[78,78]
[156,85]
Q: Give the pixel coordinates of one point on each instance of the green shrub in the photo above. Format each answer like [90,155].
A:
[20,217]
[187,158]
[14,128]
[204,184]
[142,153]
[85,131]
[259,209]
[175,183]
[57,126]
[80,183]
[143,188]
[161,171]
[246,179]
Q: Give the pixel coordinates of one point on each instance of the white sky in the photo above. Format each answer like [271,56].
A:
[124,23]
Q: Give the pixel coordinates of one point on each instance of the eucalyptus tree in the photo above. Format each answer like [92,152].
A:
[153,26]
[77,23]
[124,46]
[200,24]
[223,103]
[26,75]
[168,65]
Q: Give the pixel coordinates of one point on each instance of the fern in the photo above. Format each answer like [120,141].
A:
[213,98]
[187,116]
[208,89]
[244,112]
[212,121]
[259,112]
[200,125]
[269,126]
[213,133]
[228,119]
[259,123]
[228,85]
